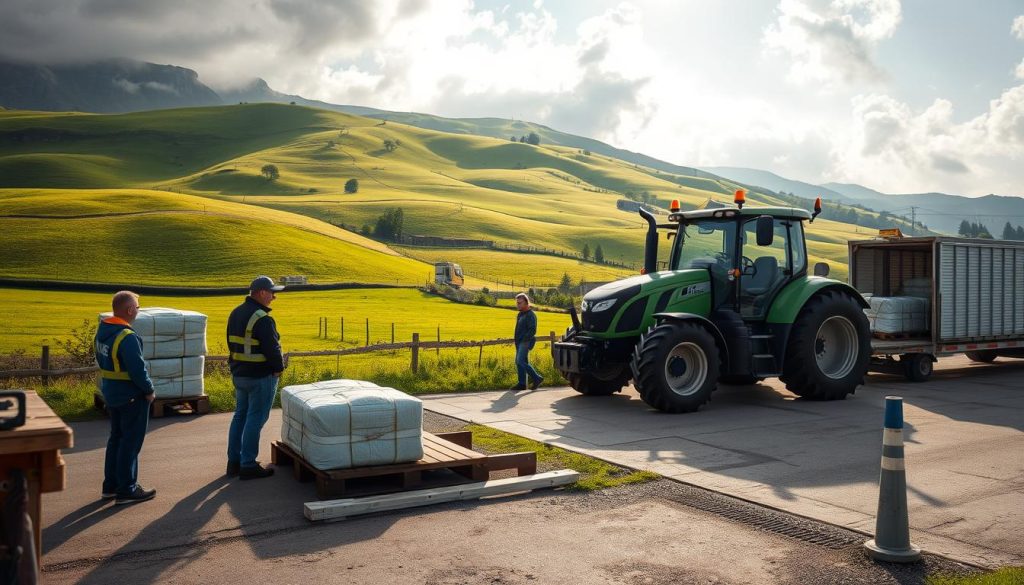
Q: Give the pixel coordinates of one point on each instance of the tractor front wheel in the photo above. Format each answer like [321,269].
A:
[675,367]
[829,348]
[604,381]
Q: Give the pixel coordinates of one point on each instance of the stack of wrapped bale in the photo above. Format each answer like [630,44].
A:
[174,347]
[351,423]
[897,315]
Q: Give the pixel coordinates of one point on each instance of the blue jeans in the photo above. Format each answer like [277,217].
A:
[523,367]
[253,399]
[127,432]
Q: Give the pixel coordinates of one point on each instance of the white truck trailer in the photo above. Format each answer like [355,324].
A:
[974,292]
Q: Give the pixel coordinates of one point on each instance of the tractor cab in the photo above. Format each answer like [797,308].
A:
[750,254]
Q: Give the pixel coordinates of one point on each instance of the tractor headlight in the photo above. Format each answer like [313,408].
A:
[602,305]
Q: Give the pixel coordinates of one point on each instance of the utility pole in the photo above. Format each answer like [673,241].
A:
[913,219]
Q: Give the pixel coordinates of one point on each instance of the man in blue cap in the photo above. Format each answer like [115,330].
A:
[256,364]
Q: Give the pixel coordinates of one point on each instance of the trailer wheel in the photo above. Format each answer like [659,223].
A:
[829,348]
[604,382]
[740,379]
[676,366]
[985,356]
[917,367]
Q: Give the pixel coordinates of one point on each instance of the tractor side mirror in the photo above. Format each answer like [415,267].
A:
[821,269]
[765,230]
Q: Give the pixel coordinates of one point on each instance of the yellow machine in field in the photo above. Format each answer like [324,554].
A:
[448,273]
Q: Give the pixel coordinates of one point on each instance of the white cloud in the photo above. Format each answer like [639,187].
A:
[830,42]
[892,147]
[1018,27]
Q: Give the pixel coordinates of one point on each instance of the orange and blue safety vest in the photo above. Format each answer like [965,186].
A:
[123,374]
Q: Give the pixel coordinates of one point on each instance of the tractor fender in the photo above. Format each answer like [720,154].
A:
[704,322]
[794,296]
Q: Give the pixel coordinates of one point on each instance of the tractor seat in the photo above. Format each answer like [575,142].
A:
[766,271]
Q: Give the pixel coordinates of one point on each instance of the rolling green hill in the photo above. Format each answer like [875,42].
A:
[449,185]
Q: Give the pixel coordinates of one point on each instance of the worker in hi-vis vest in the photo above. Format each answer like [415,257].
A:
[128,392]
[256,364]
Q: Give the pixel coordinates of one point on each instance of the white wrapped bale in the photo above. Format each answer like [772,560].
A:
[177,377]
[351,423]
[169,333]
[898,315]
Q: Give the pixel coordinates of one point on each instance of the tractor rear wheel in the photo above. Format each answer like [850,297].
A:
[604,381]
[829,348]
[985,356]
[675,367]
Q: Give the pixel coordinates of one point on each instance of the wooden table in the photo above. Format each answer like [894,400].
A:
[35,449]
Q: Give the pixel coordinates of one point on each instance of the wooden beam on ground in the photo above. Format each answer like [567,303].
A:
[338,509]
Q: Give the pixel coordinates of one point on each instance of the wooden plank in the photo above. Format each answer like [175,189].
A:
[343,508]
[524,463]
[460,438]
[43,430]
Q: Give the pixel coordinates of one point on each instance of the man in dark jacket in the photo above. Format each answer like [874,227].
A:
[128,392]
[526,331]
[256,364]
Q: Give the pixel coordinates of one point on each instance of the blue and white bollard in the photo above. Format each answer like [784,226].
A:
[892,525]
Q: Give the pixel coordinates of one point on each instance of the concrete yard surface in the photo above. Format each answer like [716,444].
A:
[964,436]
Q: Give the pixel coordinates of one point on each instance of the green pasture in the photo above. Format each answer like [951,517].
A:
[41,317]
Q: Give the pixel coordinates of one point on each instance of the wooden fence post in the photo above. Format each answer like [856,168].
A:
[480,359]
[44,364]
[342,329]
[415,352]
[438,340]
[392,333]
[367,331]
[552,338]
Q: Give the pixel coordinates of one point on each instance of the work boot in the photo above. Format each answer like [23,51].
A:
[517,388]
[139,494]
[536,382]
[255,472]
[233,467]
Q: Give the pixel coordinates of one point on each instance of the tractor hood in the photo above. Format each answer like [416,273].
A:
[622,306]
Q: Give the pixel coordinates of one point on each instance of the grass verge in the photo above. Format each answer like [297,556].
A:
[595,474]
[1003,576]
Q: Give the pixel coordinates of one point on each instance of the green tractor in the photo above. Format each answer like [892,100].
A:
[736,305]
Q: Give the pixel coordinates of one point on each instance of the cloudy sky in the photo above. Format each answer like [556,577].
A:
[911,96]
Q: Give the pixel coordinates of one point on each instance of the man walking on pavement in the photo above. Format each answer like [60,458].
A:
[127,391]
[526,330]
[256,364]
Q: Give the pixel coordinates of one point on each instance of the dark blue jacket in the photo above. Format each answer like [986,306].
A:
[267,346]
[123,375]
[526,327]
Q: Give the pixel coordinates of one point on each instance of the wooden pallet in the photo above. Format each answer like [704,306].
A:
[443,451]
[186,405]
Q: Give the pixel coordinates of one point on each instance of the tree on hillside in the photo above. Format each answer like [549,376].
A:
[392,144]
[522,139]
[586,251]
[389,225]
[351,186]
[270,172]
[965,229]
[1020,233]
[599,254]
[565,286]
[533,138]
[1008,232]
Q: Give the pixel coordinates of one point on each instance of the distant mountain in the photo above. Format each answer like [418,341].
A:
[769,180]
[110,86]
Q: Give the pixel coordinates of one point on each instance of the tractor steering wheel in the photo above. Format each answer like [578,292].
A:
[746,263]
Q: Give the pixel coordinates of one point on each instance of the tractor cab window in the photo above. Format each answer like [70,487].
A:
[765,269]
[709,244]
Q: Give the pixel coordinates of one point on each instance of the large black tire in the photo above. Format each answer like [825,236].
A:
[675,367]
[829,348]
[604,382]
[984,356]
[917,367]
[740,379]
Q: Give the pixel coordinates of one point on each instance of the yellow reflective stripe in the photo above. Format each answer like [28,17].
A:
[241,340]
[255,357]
[117,345]
[115,375]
